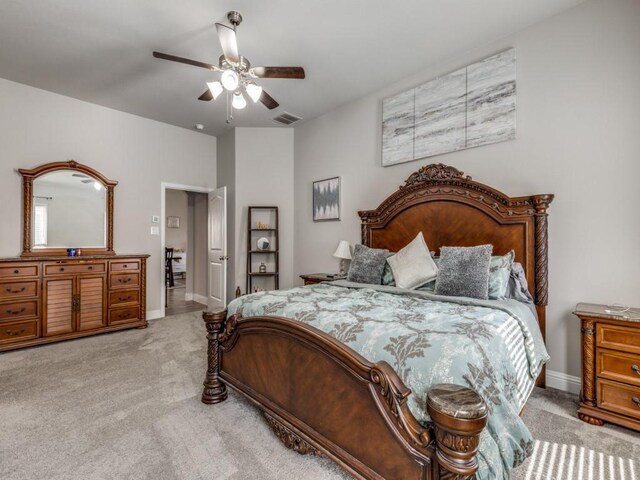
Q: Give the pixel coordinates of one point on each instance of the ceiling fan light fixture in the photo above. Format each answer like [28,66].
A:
[215,88]
[229,80]
[238,101]
[254,91]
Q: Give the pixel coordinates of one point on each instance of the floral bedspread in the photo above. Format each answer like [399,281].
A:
[493,346]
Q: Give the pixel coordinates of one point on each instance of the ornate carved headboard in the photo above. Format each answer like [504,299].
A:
[451,209]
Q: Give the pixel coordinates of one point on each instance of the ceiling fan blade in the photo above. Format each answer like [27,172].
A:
[229,43]
[187,61]
[268,101]
[207,96]
[278,72]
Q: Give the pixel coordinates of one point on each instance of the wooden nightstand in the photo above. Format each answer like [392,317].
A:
[610,365]
[311,278]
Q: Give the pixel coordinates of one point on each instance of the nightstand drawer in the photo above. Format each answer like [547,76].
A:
[619,398]
[71,268]
[618,366]
[616,337]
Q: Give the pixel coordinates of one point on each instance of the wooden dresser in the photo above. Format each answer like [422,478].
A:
[610,365]
[48,299]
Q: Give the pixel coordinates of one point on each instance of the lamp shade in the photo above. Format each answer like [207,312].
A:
[343,251]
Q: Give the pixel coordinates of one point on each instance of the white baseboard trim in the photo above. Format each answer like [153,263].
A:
[188,297]
[562,381]
[200,298]
[154,314]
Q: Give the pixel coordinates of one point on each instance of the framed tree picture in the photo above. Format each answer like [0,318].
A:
[326,199]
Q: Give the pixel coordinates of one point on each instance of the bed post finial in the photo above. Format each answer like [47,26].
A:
[214,390]
[459,414]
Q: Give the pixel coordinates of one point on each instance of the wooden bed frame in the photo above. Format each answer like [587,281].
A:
[322,398]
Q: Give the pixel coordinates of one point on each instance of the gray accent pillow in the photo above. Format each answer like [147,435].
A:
[464,271]
[499,273]
[367,265]
[387,276]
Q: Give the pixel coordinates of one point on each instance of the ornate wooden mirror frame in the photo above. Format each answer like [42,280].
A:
[29,175]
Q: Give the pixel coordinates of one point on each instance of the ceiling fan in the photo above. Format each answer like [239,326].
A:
[237,73]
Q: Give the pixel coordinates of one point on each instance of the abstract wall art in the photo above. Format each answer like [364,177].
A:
[473,106]
[326,199]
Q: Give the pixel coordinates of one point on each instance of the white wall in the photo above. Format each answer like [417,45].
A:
[38,127]
[578,109]
[256,166]
[264,176]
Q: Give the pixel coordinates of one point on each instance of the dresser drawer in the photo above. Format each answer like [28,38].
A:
[71,268]
[618,366]
[619,398]
[125,266]
[617,337]
[124,296]
[124,280]
[19,270]
[17,310]
[24,288]
[16,332]
[124,315]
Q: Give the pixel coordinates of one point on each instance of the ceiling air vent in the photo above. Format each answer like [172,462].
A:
[286,118]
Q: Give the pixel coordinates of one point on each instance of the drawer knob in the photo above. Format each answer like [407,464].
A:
[124,299]
[636,369]
[16,271]
[636,400]
[16,312]
[62,269]
[125,265]
[90,267]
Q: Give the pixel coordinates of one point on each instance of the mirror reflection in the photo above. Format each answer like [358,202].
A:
[69,210]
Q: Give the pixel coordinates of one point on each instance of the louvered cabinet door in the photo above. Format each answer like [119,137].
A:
[92,295]
[58,306]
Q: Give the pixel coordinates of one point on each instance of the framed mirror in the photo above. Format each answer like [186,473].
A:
[66,205]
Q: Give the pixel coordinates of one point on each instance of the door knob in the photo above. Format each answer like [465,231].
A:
[223,258]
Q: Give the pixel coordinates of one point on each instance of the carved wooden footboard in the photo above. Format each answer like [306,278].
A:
[322,398]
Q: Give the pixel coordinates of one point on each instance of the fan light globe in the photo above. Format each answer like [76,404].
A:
[229,80]
[215,88]
[238,101]
[97,185]
[254,91]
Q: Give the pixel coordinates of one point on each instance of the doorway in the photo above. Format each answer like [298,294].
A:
[184,239]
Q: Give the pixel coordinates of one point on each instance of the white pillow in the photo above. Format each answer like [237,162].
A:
[413,266]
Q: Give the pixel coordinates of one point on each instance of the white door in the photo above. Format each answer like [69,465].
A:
[217,251]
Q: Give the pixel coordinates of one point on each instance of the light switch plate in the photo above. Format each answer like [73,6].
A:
[155,230]
[155,219]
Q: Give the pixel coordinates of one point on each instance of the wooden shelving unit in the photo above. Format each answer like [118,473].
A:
[274,249]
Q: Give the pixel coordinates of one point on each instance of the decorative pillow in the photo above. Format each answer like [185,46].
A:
[464,271]
[499,273]
[387,276]
[413,266]
[430,286]
[367,265]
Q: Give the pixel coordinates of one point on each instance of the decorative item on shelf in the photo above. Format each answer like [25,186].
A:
[343,252]
[173,222]
[263,268]
[71,252]
[263,243]
[78,252]
[262,226]
[326,199]
[238,291]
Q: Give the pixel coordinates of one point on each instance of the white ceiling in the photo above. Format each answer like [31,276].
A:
[100,50]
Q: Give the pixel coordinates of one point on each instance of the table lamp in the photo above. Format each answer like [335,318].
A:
[343,252]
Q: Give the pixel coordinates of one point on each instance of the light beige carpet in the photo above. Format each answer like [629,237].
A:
[127,406]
